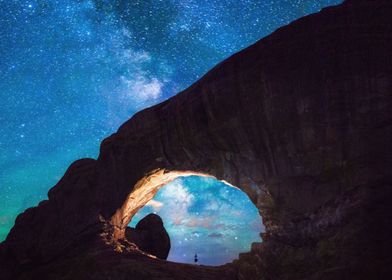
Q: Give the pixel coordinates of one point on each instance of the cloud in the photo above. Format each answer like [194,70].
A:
[237,213]
[215,235]
[257,225]
[213,205]
[156,205]
[206,223]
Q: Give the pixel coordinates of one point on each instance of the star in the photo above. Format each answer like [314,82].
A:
[72,71]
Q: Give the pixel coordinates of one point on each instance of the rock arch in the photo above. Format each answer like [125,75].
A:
[300,121]
[143,191]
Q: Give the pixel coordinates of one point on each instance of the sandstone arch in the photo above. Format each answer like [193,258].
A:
[143,191]
[300,121]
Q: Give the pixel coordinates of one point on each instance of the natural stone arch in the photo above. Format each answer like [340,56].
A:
[180,135]
[144,190]
[300,121]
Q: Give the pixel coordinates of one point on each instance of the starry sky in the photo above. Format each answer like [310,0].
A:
[72,71]
[206,217]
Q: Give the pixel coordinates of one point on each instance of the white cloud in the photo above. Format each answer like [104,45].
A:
[156,205]
[213,205]
[203,222]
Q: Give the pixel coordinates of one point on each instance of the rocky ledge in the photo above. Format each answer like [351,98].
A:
[300,121]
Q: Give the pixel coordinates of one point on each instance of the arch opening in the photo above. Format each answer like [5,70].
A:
[202,215]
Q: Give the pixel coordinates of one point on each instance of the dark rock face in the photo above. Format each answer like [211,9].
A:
[150,236]
[300,121]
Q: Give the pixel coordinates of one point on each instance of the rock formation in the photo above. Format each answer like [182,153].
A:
[300,121]
[150,236]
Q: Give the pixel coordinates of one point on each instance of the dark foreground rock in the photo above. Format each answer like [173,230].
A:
[150,236]
[300,121]
[106,264]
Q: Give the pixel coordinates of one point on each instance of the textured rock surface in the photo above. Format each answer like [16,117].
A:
[150,236]
[300,121]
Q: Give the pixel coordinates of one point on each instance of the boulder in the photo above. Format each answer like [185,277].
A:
[150,236]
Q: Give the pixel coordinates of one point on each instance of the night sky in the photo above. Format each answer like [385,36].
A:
[205,216]
[72,71]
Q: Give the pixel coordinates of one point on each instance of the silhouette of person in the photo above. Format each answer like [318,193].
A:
[196,259]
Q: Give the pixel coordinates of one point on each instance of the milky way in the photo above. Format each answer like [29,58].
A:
[206,217]
[72,71]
